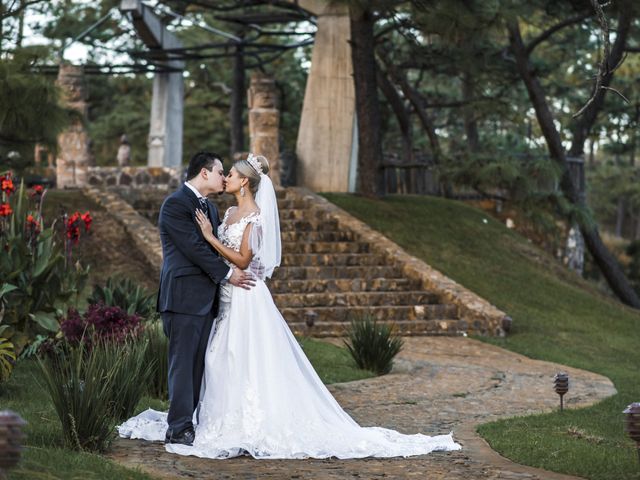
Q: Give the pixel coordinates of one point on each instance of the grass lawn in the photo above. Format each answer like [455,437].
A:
[45,456]
[556,316]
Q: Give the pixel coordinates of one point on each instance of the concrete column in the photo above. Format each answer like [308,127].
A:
[327,144]
[74,156]
[264,121]
[165,132]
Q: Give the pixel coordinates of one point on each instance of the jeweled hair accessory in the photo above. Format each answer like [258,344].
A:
[253,161]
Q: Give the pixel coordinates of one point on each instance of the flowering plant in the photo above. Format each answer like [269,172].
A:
[34,272]
[100,322]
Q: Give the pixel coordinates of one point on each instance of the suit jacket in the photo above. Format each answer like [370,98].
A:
[191,267]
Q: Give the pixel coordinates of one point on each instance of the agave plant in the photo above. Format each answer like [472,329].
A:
[126,294]
[372,345]
[93,388]
[157,354]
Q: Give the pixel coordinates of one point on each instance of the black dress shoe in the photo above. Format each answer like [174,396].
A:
[185,437]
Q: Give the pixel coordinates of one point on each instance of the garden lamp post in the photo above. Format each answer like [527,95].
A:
[561,386]
[632,423]
[11,437]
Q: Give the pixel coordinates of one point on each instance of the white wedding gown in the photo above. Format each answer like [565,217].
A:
[261,395]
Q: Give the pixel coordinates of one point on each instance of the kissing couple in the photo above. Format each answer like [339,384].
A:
[239,383]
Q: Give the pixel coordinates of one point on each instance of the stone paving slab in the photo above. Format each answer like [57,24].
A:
[437,385]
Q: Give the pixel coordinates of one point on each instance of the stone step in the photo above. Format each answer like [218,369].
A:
[331,259]
[325,247]
[320,285]
[331,272]
[301,214]
[401,327]
[321,236]
[292,203]
[345,314]
[354,299]
[309,225]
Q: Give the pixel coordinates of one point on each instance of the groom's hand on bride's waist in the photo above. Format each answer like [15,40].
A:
[241,279]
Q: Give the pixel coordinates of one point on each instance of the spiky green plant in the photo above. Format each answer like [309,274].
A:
[126,294]
[157,353]
[93,388]
[372,345]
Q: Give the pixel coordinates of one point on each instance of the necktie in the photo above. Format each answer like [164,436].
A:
[204,204]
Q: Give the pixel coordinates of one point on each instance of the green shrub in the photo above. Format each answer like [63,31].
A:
[372,345]
[124,293]
[93,388]
[157,354]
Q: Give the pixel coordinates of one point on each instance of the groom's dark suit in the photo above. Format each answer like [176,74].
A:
[187,300]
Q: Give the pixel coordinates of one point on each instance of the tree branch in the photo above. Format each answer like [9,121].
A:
[559,26]
[603,68]
[23,5]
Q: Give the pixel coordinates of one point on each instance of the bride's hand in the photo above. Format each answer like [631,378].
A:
[205,225]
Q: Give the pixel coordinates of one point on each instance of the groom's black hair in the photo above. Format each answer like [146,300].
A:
[201,160]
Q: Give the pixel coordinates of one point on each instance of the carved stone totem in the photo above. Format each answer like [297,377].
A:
[264,121]
[74,154]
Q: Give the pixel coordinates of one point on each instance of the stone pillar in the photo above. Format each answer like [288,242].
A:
[74,155]
[264,121]
[165,131]
[37,154]
[327,140]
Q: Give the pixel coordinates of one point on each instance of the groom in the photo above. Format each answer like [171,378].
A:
[188,297]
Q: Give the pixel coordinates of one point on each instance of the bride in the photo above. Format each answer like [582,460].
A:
[261,396]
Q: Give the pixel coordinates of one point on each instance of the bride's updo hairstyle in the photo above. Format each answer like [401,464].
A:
[246,170]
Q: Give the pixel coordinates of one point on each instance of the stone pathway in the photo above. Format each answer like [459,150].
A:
[439,384]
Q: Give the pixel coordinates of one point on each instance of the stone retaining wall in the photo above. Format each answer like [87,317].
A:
[142,231]
[136,177]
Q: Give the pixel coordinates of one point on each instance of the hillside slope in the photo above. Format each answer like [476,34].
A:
[556,316]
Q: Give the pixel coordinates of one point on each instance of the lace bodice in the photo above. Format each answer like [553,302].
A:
[231,234]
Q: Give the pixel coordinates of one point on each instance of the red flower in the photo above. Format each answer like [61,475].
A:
[32,221]
[73,225]
[86,218]
[6,184]
[38,190]
[5,210]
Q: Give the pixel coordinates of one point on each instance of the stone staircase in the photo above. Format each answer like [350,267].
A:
[330,276]
[335,269]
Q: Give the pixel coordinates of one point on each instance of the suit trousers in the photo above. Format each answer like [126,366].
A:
[188,340]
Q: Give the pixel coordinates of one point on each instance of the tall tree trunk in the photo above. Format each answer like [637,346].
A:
[584,123]
[367,108]
[470,123]
[592,152]
[620,217]
[401,112]
[416,102]
[1,24]
[238,94]
[20,28]
[604,259]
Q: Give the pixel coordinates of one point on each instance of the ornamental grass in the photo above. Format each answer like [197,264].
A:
[94,387]
[372,345]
